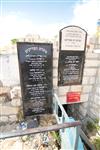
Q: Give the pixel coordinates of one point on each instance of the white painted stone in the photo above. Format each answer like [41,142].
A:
[96,99]
[98,91]
[63,90]
[55,82]
[16,102]
[55,62]
[8,110]
[89,71]
[15,92]
[2,99]
[98,78]
[4,90]
[91,80]
[56,53]
[85,80]
[99,71]
[55,72]
[62,99]
[91,55]
[13,118]
[91,63]
[76,88]
[86,89]
[84,97]
[3,119]
[12,144]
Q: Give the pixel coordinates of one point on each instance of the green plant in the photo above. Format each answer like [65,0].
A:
[97,124]
[96,142]
[20,115]
[96,120]
[56,136]
[25,138]
[91,126]
[14,41]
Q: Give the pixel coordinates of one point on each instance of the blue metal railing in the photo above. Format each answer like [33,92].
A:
[70,139]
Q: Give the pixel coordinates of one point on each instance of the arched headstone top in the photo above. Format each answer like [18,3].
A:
[73,38]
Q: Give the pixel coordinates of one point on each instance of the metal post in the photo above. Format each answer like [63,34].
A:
[77,138]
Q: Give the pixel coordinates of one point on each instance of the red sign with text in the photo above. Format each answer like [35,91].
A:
[73,97]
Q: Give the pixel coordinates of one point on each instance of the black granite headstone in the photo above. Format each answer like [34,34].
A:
[70,68]
[35,64]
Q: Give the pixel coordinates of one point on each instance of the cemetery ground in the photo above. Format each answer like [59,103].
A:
[41,141]
[11,119]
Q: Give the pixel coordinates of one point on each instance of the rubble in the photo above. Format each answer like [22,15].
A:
[42,141]
[16,102]
[10,103]
[11,119]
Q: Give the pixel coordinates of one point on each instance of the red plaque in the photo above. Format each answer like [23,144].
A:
[72,97]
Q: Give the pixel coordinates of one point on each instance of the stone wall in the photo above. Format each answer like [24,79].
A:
[10,104]
[94,100]
[9,69]
[92,106]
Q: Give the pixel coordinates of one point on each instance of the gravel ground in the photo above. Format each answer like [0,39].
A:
[42,141]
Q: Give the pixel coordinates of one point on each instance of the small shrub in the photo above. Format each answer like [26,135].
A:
[56,136]
[96,142]
[91,126]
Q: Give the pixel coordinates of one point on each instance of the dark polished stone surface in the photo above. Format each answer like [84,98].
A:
[71,64]
[35,63]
